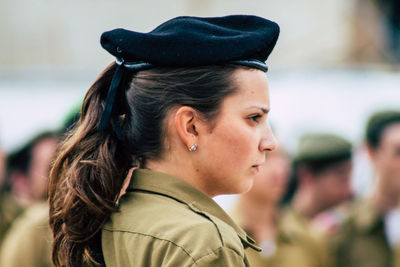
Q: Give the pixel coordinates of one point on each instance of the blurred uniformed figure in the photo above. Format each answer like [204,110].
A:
[30,234]
[321,179]
[28,241]
[259,214]
[28,168]
[257,210]
[14,189]
[23,184]
[9,209]
[370,234]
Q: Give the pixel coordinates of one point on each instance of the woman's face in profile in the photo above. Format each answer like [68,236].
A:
[236,146]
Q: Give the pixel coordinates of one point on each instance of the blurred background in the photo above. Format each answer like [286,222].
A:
[336,61]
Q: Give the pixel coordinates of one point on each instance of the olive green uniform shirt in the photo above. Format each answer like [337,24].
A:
[164,221]
[297,244]
[9,210]
[28,242]
[361,240]
[300,244]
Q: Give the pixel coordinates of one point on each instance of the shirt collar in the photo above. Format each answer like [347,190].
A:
[367,218]
[170,186]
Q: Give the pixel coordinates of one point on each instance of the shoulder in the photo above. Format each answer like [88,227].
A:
[29,236]
[38,214]
[300,241]
[33,219]
[155,220]
[9,211]
[361,221]
[346,219]
[292,223]
[361,238]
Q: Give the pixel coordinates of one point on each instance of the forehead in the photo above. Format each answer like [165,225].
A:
[252,88]
[391,135]
[338,168]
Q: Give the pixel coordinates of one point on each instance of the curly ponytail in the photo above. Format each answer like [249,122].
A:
[85,181]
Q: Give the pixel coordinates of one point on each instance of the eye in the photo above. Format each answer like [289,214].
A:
[255,117]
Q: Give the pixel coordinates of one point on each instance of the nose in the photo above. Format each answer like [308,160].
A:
[268,141]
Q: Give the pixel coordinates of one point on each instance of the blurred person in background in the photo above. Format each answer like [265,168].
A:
[28,168]
[321,176]
[43,153]
[23,183]
[28,241]
[16,178]
[370,233]
[8,210]
[257,212]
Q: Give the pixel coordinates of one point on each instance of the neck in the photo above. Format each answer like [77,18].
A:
[304,203]
[259,217]
[184,171]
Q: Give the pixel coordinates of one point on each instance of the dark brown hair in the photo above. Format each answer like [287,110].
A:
[88,173]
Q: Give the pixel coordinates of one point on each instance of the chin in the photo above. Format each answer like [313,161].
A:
[242,186]
[246,187]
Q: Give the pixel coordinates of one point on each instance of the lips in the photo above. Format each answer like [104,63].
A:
[256,168]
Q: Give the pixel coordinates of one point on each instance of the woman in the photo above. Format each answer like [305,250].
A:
[186,104]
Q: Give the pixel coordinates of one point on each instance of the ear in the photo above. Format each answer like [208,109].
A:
[186,123]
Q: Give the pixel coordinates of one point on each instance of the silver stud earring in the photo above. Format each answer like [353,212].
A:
[193,148]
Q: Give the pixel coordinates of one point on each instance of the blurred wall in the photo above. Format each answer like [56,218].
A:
[65,34]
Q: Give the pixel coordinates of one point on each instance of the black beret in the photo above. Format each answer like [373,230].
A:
[193,41]
[189,42]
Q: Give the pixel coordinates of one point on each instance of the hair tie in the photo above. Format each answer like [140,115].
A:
[112,92]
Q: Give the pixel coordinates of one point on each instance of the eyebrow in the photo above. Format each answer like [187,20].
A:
[264,110]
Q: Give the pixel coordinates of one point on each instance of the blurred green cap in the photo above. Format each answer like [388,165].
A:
[322,147]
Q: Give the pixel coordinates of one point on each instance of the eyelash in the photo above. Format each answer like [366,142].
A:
[255,117]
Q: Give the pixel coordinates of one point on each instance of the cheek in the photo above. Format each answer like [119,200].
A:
[395,164]
[330,188]
[230,156]
[392,170]
[234,147]
[341,189]
[386,162]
